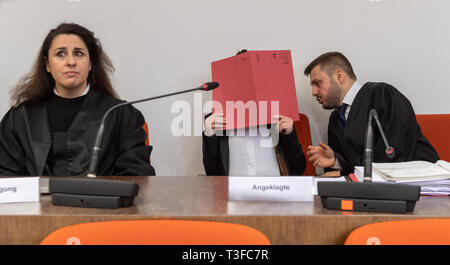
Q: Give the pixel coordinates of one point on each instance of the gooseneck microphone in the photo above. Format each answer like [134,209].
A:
[102,193]
[368,148]
[369,196]
[93,165]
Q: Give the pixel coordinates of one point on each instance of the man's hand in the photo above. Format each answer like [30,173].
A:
[321,156]
[214,122]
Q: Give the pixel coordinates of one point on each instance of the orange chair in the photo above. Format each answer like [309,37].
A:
[156,232]
[408,232]
[304,137]
[145,127]
[436,127]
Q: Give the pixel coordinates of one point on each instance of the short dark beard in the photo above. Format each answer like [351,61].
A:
[333,99]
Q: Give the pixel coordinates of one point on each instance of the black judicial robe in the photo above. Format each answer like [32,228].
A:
[399,123]
[25,139]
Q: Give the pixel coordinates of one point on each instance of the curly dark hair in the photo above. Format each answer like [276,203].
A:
[37,84]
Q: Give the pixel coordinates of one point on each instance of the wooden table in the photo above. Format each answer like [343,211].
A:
[205,198]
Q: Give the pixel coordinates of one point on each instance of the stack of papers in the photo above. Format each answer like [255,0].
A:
[433,178]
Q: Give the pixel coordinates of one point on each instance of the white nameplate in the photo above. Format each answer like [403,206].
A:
[19,189]
[270,189]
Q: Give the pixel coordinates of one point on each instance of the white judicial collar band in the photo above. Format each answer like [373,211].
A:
[84,93]
[249,188]
[19,189]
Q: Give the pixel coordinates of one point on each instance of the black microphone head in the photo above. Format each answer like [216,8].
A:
[209,86]
[390,152]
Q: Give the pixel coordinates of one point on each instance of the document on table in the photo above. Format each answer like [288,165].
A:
[433,178]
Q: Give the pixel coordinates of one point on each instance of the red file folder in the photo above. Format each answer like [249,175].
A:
[252,84]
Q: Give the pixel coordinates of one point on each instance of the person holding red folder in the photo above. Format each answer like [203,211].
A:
[245,154]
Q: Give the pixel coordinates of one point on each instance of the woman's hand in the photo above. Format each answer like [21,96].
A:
[214,122]
[285,124]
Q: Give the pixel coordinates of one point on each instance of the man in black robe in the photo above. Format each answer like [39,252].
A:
[335,87]
[56,136]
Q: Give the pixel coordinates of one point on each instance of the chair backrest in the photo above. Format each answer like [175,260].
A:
[436,128]
[407,232]
[304,137]
[156,232]
[145,127]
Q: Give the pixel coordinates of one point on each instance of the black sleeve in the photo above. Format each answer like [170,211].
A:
[293,153]
[346,166]
[12,154]
[212,159]
[133,156]
[398,119]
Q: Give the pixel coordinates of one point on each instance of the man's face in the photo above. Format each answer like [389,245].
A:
[325,89]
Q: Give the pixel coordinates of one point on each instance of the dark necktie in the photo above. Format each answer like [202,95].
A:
[341,111]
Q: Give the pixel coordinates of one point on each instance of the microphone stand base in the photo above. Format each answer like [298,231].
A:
[91,201]
[369,196]
[92,192]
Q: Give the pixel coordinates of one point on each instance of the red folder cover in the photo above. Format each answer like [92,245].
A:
[254,86]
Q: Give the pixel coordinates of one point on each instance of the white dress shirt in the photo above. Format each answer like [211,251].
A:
[250,156]
[350,96]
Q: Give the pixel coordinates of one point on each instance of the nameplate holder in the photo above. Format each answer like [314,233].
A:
[291,189]
[19,189]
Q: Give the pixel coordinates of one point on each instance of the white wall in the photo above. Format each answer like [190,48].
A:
[161,46]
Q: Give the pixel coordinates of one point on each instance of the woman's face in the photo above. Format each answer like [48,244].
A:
[69,63]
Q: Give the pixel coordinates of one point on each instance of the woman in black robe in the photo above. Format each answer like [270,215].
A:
[57,110]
